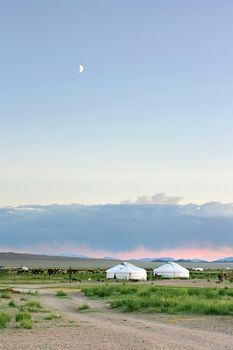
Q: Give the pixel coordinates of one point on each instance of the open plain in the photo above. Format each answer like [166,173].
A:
[69,320]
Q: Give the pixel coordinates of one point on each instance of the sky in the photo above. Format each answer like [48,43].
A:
[150,114]
[152,111]
[137,229]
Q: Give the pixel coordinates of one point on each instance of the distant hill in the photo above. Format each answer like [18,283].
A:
[199,260]
[168,259]
[10,259]
[33,260]
[71,255]
[224,260]
[191,261]
[165,259]
[146,259]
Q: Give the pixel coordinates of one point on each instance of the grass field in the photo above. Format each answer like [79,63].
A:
[206,301]
[30,278]
[60,315]
[9,277]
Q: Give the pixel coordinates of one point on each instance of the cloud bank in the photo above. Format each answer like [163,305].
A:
[118,230]
[157,198]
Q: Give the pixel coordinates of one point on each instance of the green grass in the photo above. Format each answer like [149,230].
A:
[30,278]
[31,306]
[32,292]
[61,294]
[207,301]
[23,315]
[204,274]
[12,303]
[26,324]
[4,319]
[83,307]
[24,320]
[52,316]
[5,294]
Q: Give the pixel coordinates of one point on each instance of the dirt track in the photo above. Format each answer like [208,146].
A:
[101,328]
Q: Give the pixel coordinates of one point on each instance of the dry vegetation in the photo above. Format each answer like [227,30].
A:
[206,301]
[21,310]
[100,315]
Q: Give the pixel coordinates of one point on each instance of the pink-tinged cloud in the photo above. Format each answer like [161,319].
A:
[66,248]
[122,231]
[178,253]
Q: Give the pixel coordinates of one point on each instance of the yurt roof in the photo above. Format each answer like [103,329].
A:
[171,266]
[125,267]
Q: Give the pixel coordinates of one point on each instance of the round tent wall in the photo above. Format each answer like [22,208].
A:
[126,271]
[172,270]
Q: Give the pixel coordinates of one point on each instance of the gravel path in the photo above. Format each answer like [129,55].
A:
[101,328]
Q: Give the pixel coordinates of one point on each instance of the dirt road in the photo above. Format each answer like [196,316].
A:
[101,328]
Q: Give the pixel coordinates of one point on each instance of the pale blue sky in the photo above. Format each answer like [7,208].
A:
[152,111]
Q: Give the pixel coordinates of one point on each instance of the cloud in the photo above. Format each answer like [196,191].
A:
[158,198]
[211,209]
[117,229]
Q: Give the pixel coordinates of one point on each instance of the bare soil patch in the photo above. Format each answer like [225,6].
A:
[101,328]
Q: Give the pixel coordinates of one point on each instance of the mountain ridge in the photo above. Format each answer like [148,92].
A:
[15,256]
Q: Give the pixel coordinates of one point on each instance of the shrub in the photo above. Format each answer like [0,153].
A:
[83,307]
[31,306]
[24,320]
[26,324]
[23,299]
[4,319]
[130,305]
[98,291]
[5,295]
[61,293]
[22,316]
[226,292]
[12,303]
[52,317]
[33,292]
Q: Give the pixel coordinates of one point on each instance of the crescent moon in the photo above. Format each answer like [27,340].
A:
[81,68]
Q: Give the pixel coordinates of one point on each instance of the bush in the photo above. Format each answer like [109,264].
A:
[5,295]
[52,317]
[226,292]
[12,303]
[98,291]
[31,306]
[84,307]
[131,304]
[22,316]
[26,324]
[60,293]
[24,320]
[4,319]
[33,292]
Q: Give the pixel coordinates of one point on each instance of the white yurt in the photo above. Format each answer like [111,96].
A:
[127,271]
[24,268]
[171,270]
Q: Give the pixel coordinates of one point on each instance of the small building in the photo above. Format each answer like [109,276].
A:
[127,271]
[197,269]
[171,270]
